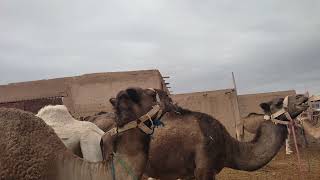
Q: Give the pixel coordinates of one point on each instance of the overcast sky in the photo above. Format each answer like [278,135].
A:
[270,45]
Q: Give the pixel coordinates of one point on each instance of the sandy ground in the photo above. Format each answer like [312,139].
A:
[282,167]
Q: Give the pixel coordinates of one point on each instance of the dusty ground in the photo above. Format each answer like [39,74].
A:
[282,167]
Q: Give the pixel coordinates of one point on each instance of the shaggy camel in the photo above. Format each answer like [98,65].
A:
[310,128]
[82,138]
[30,149]
[195,144]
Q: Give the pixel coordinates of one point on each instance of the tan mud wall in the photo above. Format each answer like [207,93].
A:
[33,90]
[91,93]
[250,103]
[83,95]
[219,104]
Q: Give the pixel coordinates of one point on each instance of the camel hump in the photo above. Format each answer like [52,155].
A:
[12,117]
[25,141]
[54,113]
[92,127]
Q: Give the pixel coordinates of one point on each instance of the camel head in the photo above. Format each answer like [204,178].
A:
[132,103]
[135,108]
[296,105]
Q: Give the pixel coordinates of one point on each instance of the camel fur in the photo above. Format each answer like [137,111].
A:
[81,137]
[196,144]
[31,150]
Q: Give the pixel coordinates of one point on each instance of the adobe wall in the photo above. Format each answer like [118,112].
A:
[90,93]
[219,104]
[33,90]
[83,95]
[250,104]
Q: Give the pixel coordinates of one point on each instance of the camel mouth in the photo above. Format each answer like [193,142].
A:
[304,104]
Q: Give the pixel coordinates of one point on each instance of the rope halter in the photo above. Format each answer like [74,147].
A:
[155,112]
[290,125]
[282,111]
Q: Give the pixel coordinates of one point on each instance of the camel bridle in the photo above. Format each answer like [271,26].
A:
[156,112]
[284,110]
[290,126]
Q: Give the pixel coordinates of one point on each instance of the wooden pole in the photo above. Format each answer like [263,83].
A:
[239,123]
[234,82]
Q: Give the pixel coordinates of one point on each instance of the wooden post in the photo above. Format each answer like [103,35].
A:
[239,122]
[165,84]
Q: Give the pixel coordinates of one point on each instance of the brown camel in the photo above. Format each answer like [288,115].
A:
[29,149]
[252,122]
[104,120]
[196,144]
[310,128]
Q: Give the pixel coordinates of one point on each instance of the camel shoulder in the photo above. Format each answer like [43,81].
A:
[91,127]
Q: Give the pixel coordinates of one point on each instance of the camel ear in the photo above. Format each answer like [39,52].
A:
[265,107]
[151,92]
[133,94]
[113,101]
[280,102]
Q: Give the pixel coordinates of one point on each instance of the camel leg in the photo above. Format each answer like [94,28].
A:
[204,174]
[288,147]
[203,170]
[90,147]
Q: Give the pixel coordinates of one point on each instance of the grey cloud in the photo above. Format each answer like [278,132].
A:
[270,45]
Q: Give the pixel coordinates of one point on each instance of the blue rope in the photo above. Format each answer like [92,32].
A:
[113,170]
[158,123]
[125,167]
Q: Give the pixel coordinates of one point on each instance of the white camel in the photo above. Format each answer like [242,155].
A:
[80,137]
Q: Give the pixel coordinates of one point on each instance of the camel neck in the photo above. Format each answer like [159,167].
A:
[55,118]
[250,156]
[70,167]
[129,162]
[310,129]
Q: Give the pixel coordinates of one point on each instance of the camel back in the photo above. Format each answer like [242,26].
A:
[26,145]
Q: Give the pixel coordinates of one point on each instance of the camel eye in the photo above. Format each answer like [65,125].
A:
[123,105]
[279,103]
